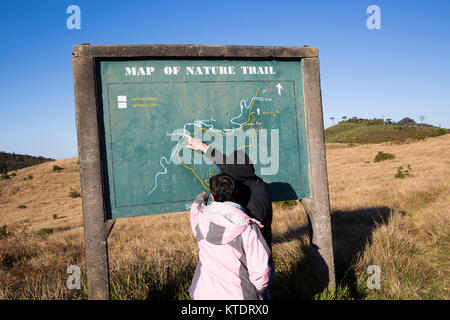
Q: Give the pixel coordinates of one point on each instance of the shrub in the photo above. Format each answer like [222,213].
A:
[286,204]
[22,206]
[55,216]
[403,173]
[13,174]
[3,231]
[4,176]
[74,194]
[44,232]
[341,293]
[57,168]
[420,136]
[29,177]
[381,156]
[438,132]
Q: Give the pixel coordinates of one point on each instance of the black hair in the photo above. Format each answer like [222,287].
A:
[223,187]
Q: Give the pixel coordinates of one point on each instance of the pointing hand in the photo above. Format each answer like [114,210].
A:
[196,144]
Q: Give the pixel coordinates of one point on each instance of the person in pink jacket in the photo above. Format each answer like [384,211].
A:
[233,255]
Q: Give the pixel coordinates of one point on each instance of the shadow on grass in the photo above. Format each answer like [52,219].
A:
[153,282]
[294,280]
[351,231]
[175,287]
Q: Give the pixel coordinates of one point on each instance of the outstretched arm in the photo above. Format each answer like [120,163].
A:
[212,153]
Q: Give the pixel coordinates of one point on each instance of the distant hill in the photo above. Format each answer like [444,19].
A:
[407,121]
[357,130]
[12,161]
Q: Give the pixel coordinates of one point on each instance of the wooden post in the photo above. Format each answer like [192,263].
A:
[318,206]
[96,229]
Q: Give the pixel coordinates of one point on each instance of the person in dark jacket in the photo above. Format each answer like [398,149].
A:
[252,191]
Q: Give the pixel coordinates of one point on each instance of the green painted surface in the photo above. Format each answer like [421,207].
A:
[146,105]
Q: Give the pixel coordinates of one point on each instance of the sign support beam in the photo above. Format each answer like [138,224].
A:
[318,206]
[96,229]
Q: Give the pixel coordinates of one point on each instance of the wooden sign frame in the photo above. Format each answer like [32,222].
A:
[97,227]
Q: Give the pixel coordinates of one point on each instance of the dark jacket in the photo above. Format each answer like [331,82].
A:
[252,192]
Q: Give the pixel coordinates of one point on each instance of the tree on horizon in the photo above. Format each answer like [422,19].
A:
[422,118]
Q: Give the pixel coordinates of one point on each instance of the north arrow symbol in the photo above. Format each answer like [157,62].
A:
[279,88]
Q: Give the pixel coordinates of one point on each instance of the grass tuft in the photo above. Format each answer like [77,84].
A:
[57,168]
[3,231]
[74,194]
[44,232]
[382,156]
[5,176]
[403,173]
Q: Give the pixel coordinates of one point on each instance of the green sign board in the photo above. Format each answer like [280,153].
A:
[147,106]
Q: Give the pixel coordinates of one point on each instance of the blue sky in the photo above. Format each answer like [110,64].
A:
[401,70]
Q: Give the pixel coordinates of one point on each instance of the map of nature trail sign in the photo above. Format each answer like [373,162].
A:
[148,106]
[136,103]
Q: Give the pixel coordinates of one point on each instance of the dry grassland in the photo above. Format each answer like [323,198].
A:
[400,225]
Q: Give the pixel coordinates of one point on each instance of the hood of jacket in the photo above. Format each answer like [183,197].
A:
[226,222]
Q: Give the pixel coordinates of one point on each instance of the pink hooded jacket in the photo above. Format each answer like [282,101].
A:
[233,255]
